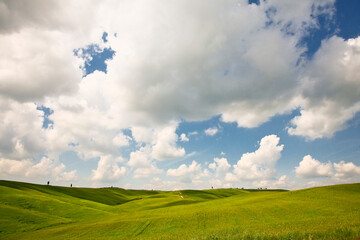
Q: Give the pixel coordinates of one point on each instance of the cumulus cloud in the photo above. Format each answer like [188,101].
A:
[261,163]
[346,170]
[211,131]
[220,166]
[220,175]
[68,176]
[142,134]
[147,172]
[312,168]
[22,135]
[31,51]
[143,162]
[330,89]
[184,138]
[140,158]
[13,167]
[108,170]
[165,144]
[28,169]
[332,172]
[188,173]
[121,140]
[261,184]
[158,183]
[284,182]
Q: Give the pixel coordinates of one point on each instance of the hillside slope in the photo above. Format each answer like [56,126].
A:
[30,211]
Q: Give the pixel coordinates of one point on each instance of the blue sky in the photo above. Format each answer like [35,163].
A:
[155,96]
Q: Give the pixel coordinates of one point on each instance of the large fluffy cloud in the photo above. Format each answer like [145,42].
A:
[165,144]
[345,171]
[220,166]
[340,172]
[147,172]
[259,164]
[143,162]
[45,168]
[22,135]
[25,62]
[310,168]
[331,89]
[188,173]
[108,170]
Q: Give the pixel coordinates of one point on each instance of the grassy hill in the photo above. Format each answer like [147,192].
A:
[30,211]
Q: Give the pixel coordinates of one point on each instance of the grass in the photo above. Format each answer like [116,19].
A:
[30,211]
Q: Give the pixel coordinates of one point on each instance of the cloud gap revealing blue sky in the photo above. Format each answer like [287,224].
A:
[347,18]
[247,93]
[257,2]
[95,57]
[104,37]
[47,122]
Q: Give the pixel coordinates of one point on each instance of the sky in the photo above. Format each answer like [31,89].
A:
[180,94]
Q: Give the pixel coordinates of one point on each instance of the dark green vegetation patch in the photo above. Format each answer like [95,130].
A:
[30,211]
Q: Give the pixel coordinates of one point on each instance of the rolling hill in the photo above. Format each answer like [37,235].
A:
[31,211]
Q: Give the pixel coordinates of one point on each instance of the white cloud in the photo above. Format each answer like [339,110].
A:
[68,176]
[261,163]
[230,177]
[21,130]
[41,56]
[141,90]
[140,158]
[284,182]
[165,144]
[238,51]
[108,170]
[146,92]
[158,183]
[144,164]
[121,140]
[30,170]
[220,166]
[332,173]
[221,177]
[312,168]
[211,131]
[187,173]
[14,167]
[212,166]
[184,138]
[147,172]
[345,171]
[261,184]
[330,88]
[294,13]
[142,134]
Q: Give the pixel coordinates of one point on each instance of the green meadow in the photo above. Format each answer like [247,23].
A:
[31,211]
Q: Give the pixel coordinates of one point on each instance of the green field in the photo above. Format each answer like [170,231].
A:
[30,211]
